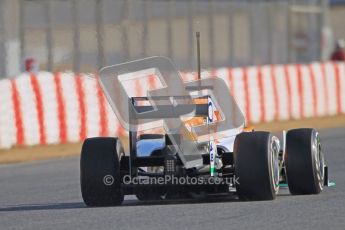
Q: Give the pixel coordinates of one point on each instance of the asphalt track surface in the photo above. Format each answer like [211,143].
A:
[46,195]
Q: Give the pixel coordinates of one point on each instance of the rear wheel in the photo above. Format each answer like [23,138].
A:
[100,172]
[256,166]
[304,162]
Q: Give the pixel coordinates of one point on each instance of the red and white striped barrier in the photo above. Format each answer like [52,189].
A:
[51,108]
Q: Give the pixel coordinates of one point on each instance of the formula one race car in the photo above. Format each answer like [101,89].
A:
[192,154]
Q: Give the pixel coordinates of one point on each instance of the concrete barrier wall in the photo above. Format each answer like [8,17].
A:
[47,108]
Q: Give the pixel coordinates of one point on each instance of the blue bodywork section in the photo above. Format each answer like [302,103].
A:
[147,146]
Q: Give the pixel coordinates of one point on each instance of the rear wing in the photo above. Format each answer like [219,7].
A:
[165,108]
[168,110]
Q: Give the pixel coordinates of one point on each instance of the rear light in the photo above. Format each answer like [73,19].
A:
[170,165]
